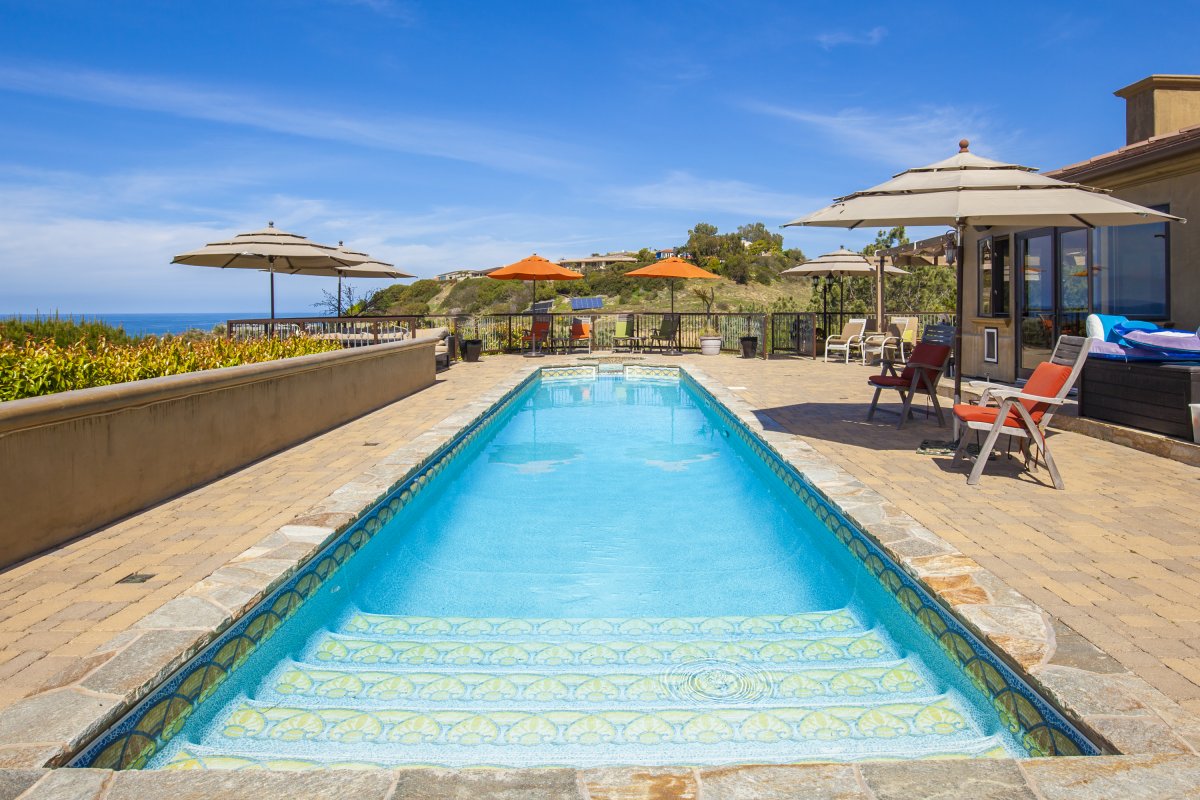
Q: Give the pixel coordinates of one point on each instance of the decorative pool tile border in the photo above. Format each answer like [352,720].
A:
[1041,728]
[652,371]
[132,741]
[569,373]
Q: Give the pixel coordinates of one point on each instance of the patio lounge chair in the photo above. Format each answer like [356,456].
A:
[920,376]
[665,336]
[581,335]
[850,338]
[1024,412]
[899,330]
[539,333]
[623,335]
[443,352]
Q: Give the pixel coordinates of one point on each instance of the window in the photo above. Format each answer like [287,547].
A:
[1130,268]
[995,276]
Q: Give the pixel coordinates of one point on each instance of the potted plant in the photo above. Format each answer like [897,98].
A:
[710,342]
[471,348]
[710,336]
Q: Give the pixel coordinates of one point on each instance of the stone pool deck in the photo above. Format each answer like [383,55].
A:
[1115,559]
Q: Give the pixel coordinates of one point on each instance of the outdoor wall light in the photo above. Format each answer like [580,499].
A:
[951,248]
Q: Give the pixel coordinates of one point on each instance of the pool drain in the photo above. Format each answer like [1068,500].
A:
[714,680]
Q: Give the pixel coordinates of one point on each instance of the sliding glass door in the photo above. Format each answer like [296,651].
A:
[1035,257]
[1054,291]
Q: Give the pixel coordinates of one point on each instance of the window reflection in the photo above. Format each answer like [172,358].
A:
[1129,270]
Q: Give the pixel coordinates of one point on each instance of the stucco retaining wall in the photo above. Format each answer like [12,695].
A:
[74,461]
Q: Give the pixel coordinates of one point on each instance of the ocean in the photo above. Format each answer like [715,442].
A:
[173,322]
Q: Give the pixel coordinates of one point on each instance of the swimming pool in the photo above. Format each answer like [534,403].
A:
[608,570]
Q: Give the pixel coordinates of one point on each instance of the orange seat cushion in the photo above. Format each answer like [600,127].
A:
[968,412]
[1046,381]
[890,381]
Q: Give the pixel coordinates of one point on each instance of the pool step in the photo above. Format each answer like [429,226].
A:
[685,683]
[456,691]
[278,756]
[403,727]
[814,622]
[335,648]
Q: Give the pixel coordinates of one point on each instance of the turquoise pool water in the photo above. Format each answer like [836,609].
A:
[606,576]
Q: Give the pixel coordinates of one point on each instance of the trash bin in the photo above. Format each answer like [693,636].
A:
[471,349]
[749,346]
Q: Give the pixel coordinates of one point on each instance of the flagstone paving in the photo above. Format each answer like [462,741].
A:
[1116,555]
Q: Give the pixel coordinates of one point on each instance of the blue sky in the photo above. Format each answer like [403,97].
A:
[447,134]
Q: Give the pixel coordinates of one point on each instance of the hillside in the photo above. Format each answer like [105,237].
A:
[487,296]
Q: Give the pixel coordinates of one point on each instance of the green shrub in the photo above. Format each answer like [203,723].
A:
[31,367]
[62,332]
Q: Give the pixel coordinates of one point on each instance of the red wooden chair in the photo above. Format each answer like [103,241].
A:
[1024,412]
[921,374]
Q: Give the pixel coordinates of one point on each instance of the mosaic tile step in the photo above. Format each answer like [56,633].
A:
[342,649]
[690,683]
[838,621]
[340,757]
[254,721]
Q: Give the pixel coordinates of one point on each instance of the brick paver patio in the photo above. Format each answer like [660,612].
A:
[1116,555]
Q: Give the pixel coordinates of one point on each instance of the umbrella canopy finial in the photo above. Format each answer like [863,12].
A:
[963,146]
[270,223]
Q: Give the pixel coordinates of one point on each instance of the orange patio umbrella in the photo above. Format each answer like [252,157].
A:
[672,268]
[534,268]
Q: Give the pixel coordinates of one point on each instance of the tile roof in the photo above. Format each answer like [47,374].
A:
[1148,150]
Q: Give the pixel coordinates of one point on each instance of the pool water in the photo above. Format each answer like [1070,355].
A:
[605,577]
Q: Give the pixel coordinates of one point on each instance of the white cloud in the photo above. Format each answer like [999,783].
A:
[832,39]
[685,192]
[67,245]
[899,139]
[478,144]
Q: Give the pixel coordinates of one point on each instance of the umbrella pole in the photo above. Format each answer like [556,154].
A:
[533,351]
[678,350]
[339,298]
[841,301]
[825,306]
[879,326]
[271,270]
[961,235]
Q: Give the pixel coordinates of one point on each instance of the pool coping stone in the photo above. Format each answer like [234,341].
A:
[1147,777]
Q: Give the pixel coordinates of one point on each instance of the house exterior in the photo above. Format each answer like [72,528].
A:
[1022,289]
[460,274]
[592,263]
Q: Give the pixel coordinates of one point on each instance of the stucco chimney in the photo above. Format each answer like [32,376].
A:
[1160,104]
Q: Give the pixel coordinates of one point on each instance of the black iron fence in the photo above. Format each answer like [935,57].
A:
[791,333]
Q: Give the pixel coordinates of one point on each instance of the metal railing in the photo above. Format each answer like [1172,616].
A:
[794,333]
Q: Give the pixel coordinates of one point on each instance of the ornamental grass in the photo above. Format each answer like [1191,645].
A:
[37,367]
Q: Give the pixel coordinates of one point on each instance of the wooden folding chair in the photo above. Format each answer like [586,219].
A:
[1024,412]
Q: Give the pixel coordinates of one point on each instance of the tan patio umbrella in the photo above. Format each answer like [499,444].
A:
[271,250]
[367,269]
[969,190]
[840,263]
